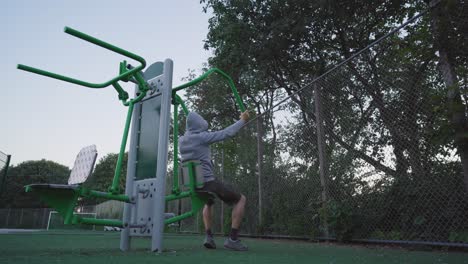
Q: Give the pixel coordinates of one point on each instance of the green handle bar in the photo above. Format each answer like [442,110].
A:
[206,74]
[179,101]
[98,42]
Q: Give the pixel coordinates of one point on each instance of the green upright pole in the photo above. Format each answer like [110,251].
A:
[114,189]
[175,186]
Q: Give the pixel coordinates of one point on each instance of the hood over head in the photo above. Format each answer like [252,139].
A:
[196,123]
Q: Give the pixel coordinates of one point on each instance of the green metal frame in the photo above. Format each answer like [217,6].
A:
[124,73]
[64,200]
[197,200]
[178,101]
[204,76]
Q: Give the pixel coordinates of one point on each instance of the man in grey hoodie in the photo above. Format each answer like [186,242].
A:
[195,145]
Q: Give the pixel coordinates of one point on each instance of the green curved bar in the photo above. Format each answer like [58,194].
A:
[100,43]
[136,99]
[206,74]
[181,102]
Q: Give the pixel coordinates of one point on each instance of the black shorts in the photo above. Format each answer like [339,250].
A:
[225,192]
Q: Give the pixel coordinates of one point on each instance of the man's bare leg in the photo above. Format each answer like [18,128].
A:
[207,215]
[233,242]
[238,212]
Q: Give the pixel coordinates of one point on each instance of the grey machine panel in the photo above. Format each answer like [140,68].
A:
[147,159]
[149,116]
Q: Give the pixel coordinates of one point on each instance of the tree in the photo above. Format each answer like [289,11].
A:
[29,172]
[390,99]
[450,39]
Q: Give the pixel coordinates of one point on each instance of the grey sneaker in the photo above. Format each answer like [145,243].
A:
[209,242]
[235,245]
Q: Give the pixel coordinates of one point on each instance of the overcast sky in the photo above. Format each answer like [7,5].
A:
[43,118]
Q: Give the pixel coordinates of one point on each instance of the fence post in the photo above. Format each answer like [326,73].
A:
[5,172]
[21,218]
[323,167]
[44,218]
[197,230]
[259,168]
[222,180]
[7,218]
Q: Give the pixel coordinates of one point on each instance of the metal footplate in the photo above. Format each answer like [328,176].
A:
[141,223]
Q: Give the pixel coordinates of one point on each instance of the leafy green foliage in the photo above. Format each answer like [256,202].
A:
[339,218]
[29,172]
[391,101]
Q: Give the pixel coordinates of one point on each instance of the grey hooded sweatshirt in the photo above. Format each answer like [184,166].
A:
[195,143]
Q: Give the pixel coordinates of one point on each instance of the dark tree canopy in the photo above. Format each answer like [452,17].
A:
[29,172]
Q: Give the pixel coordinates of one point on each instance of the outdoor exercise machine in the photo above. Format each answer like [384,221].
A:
[149,116]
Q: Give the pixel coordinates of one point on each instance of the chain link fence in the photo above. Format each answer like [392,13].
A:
[24,218]
[3,160]
[373,150]
[4,165]
[38,218]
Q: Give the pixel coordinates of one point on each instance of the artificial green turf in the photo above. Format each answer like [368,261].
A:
[94,248]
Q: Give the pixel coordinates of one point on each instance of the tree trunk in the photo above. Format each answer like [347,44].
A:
[447,65]
[323,169]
